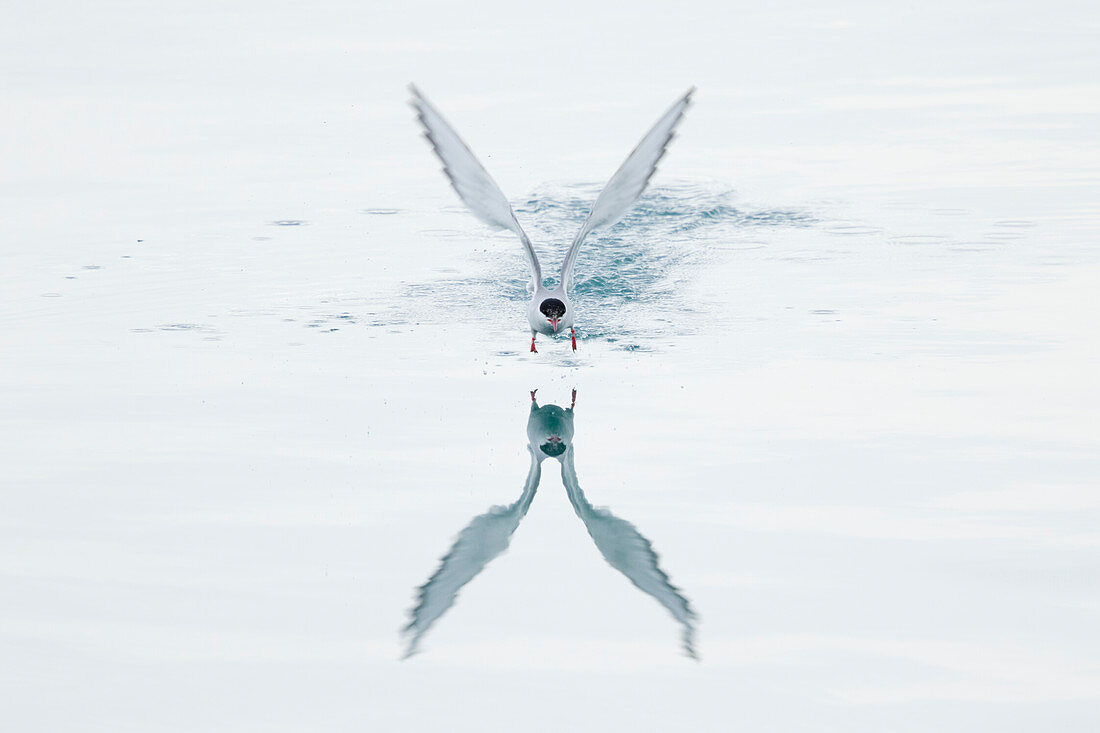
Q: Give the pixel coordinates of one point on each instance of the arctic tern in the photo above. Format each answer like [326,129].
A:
[550,310]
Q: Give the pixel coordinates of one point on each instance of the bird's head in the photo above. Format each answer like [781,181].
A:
[553,309]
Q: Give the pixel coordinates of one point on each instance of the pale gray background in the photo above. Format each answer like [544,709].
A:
[866,448]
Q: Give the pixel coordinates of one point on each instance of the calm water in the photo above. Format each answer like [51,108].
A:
[266,395]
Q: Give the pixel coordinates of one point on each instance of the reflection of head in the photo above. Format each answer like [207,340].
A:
[553,449]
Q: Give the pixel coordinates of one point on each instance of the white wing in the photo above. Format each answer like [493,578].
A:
[628,183]
[470,180]
[629,552]
[485,537]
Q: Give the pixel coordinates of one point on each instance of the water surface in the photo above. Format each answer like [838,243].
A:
[259,367]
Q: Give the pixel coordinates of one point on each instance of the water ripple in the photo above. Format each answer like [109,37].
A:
[628,278]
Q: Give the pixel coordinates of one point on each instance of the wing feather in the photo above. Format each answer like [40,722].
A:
[628,183]
[468,177]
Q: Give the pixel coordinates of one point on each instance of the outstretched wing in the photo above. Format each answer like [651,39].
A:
[628,183]
[470,180]
[629,552]
[485,537]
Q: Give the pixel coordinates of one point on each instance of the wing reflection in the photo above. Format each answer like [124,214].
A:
[486,536]
[630,552]
[550,435]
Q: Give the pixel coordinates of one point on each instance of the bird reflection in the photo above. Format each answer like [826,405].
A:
[549,435]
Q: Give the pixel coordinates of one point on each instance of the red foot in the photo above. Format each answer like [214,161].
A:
[533,349]
[572,402]
[573,336]
[533,394]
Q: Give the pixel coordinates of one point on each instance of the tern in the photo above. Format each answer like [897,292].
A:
[551,310]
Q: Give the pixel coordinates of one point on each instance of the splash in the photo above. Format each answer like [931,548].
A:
[631,281]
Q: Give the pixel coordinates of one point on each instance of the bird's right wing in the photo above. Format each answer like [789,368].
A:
[628,551]
[486,536]
[470,180]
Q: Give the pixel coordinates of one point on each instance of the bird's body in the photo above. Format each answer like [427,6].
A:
[550,311]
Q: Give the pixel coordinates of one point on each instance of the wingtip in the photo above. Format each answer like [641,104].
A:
[688,642]
[411,635]
[417,100]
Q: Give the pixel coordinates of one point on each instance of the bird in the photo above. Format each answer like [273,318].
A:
[623,547]
[551,309]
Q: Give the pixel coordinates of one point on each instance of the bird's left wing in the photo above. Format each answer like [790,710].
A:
[486,536]
[628,551]
[628,183]
[469,179]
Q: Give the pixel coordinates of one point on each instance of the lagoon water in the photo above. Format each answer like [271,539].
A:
[836,372]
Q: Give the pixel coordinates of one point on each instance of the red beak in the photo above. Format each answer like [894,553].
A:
[554,322]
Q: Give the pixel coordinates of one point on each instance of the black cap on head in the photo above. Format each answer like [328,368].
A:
[553,449]
[552,308]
